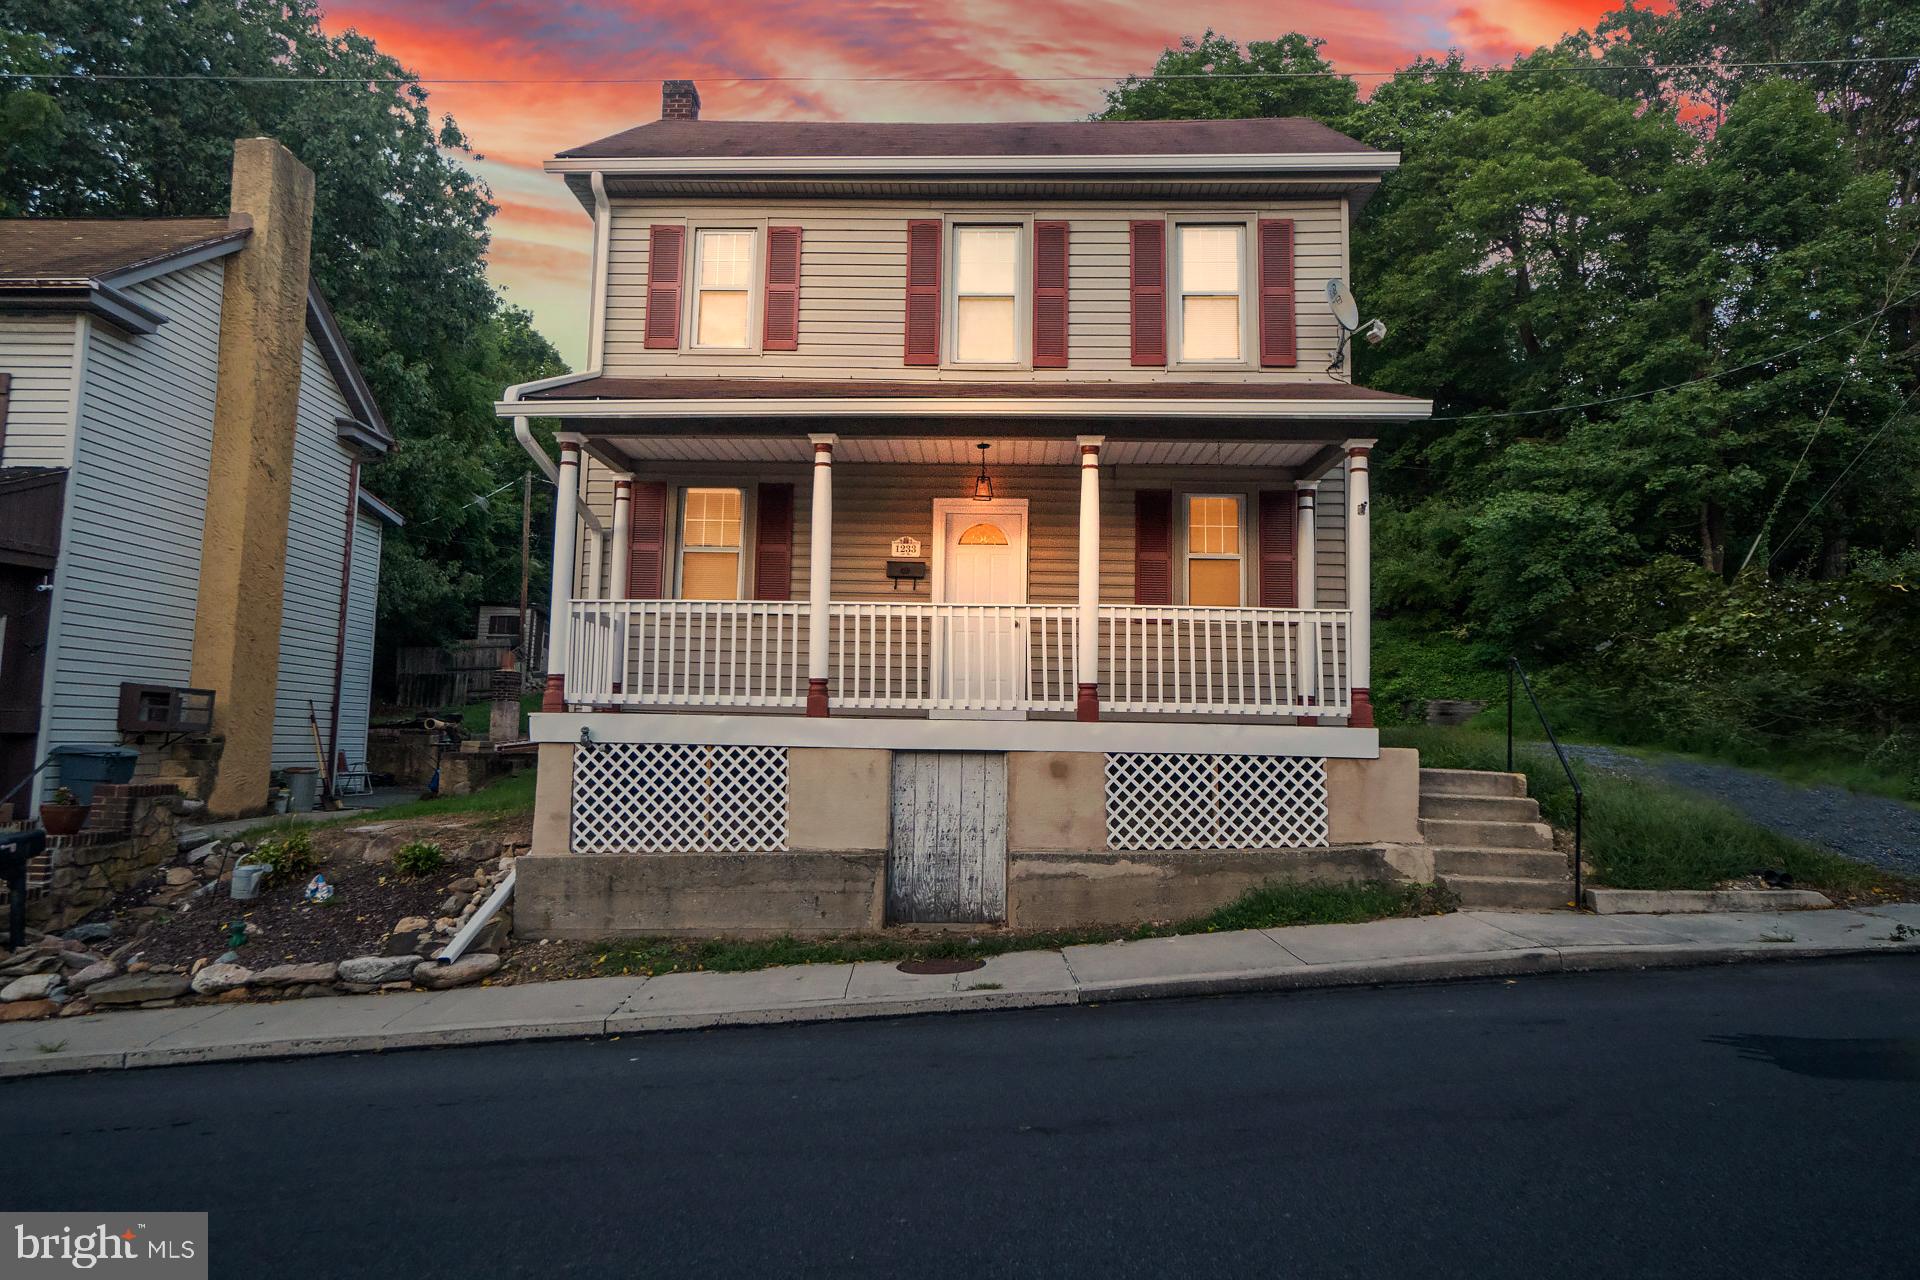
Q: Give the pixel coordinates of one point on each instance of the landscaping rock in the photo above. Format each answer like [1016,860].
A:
[465,884]
[98,931]
[28,962]
[76,1008]
[445,925]
[216,978]
[93,973]
[453,904]
[435,976]
[411,924]
[36,986]
[296,975]
[493,935]
[78,960]
[179,875]
[371,971]
[138,988]
[27,1010]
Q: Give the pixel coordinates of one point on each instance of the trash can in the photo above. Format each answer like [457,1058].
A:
[82,768]
[303,788]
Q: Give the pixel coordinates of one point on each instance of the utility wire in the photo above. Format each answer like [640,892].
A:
[1837,480]
[1594,67]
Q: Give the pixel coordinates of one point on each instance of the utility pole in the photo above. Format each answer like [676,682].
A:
[526,546]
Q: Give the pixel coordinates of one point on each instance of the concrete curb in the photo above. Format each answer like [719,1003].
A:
[1293,976]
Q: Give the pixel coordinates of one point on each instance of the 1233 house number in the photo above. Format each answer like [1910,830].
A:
[906,548]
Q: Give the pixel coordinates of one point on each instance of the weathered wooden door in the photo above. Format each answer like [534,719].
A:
[948,862]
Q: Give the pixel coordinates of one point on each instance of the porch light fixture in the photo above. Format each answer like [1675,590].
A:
[983,483]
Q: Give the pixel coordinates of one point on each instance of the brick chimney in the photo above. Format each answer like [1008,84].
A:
[679,100]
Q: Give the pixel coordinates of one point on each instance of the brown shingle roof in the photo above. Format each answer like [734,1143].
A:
[45,250]
[605,388]
[742,139]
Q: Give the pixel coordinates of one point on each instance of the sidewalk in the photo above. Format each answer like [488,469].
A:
[1464,945]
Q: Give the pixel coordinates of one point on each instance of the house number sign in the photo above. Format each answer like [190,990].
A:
[906,548]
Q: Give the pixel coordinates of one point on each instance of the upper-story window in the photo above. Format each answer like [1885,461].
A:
[723,288]
[986,295]
[1210,275]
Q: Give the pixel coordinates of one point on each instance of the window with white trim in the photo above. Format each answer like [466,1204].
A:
[1214,569]
[986,295]
[723,288]
[1210,272]
[710,544]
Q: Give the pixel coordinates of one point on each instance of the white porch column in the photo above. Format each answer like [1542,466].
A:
[1360,581]
[1305,567]
[820,573]
[566,529]
[622,537]
[1087,650]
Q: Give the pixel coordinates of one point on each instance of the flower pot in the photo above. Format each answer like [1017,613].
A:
[62,819]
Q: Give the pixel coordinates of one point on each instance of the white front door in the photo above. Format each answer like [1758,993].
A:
[979,644]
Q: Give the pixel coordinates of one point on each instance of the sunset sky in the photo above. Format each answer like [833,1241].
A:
[540,238]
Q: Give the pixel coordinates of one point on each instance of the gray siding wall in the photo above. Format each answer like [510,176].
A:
[363,599]
[853,288]
[316,547]
[41,353]
[130,567]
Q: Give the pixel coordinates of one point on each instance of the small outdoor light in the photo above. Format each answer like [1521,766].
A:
[983,483]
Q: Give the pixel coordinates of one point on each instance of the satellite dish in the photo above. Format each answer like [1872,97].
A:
[1345,310]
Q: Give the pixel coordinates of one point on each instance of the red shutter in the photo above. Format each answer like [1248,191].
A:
[773,543]
[6,395]
[782,330]
[666,267]
[1147,268]
[647,542]
[1049,295]
[923,291]
[1276,293]
[1279,522]
[1153,546]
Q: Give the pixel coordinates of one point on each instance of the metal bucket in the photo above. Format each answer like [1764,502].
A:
[247,877]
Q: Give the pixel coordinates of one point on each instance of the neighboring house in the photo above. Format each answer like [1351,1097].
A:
[499,624]
[970,519]
[182,499]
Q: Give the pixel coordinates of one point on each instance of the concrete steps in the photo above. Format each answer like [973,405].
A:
[1489,845]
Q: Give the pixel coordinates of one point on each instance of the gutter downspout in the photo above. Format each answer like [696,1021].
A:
[478,921]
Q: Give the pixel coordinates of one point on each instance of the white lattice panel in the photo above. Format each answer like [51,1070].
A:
[1162,800]
[642,797]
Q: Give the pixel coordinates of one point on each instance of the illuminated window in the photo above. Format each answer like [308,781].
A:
[983,535]
[722,297]
[986,291]
[710,544]
[1213,550]
[1211,274]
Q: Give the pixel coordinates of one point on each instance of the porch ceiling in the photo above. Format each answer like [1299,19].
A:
[961,451]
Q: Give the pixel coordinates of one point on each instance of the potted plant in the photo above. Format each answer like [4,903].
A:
[62,816]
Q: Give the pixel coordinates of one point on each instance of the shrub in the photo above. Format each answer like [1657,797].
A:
[290,856]
[419,858]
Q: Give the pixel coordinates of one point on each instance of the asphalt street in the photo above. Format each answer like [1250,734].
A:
[1760,1120]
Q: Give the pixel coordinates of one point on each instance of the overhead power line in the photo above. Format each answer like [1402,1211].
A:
[1594,67]
[1847,471]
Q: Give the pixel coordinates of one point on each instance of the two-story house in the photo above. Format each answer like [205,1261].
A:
[958,523]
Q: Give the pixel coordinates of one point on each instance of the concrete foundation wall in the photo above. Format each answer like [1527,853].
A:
[839,800]
[699,894]
[1375,801]
[1066,890]
[1056,800]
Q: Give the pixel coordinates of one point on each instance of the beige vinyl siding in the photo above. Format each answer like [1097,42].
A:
[853,288]
[41,353]
[1330,542]
[129,573]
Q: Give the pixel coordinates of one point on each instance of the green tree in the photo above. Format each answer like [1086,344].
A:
[1212,78]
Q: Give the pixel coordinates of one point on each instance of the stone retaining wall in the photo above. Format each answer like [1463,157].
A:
[129,832]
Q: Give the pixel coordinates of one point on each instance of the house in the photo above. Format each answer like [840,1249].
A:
[958,523]
[498,625]
[189,564]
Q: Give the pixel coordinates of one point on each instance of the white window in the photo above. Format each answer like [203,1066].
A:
[1213,550]
[986,295]
[723,289]
[710,559]
[1211,272]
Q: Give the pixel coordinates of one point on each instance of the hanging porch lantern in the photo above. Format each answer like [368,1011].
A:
[983,483]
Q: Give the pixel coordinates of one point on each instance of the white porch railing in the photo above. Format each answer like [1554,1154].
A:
[953,657]
[1181,660]
[692,653]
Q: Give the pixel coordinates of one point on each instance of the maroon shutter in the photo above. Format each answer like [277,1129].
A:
[923,291]
[1279,522]
[666,267]
[1147,270]
[773,543]
[1276,293]
[647,542]
[1049,295]
[6,395]
[782,329]
[1153,546]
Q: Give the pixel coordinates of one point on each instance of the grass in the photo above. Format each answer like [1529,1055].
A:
[476,718]
[1267,906]
[510,795]
[1644,834]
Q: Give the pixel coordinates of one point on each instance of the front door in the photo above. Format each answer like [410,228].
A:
[979,644]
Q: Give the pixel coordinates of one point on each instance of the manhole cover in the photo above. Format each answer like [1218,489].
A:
[941,966]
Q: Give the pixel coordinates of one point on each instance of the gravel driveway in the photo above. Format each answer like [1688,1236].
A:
[1871,829]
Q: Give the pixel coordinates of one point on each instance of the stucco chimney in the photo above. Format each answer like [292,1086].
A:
[679,100]
[243,544]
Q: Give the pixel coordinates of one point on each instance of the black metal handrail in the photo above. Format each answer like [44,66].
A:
[1579,797]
